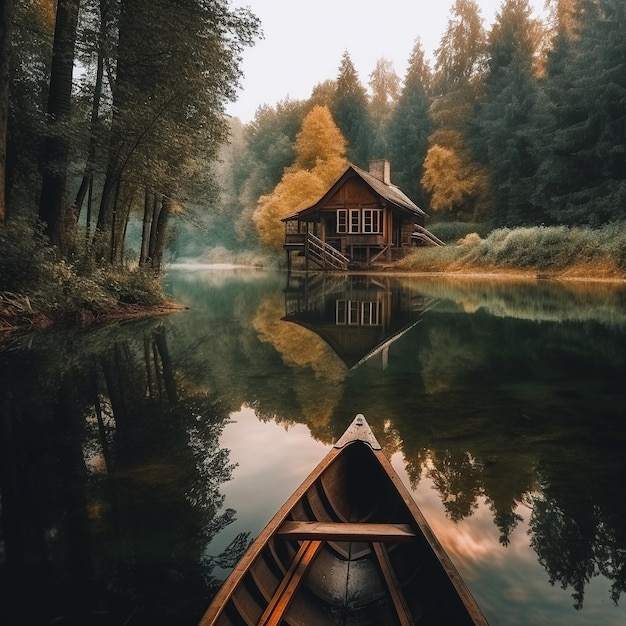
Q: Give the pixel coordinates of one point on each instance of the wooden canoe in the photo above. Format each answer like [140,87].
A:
[350,546]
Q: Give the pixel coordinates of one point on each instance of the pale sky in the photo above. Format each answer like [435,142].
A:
[305,40]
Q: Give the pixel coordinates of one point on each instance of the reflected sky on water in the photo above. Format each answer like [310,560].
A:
[142,458]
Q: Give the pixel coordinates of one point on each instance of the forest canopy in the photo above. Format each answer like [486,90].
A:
[112,111]
[521,124]
[518,125]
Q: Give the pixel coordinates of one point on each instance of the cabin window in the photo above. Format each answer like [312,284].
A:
[355,313]
[370,312]
[342,221]
[355,221]
[372,221]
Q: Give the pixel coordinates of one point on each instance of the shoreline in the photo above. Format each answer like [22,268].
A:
[16,318]
[12,322]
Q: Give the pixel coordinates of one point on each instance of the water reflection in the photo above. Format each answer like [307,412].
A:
[110,482]
[505,401]
[358,316]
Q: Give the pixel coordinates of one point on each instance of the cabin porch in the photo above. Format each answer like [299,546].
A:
[350,251]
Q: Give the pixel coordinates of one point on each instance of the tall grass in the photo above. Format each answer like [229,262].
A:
[544,249]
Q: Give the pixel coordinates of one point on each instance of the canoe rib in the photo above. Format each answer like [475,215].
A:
[273,614]
[343,531]
[404,615]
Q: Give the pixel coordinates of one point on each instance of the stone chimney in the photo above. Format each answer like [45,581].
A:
[381,169]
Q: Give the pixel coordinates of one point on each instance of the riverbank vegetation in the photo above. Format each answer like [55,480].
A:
[539,251]
[37,289]
[116,155]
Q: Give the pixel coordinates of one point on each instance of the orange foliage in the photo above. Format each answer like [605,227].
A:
[320,160]
[314,363]
[452,179]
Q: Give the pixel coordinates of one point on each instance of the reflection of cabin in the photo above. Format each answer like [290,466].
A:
[358,316]
[361,219]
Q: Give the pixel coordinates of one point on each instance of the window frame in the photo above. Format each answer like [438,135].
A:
[372,222]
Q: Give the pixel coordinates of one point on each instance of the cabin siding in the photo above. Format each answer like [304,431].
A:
[362,216]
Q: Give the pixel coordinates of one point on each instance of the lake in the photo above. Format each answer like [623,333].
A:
[138,459]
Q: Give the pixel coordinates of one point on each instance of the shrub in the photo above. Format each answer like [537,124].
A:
[25,258]
[471,240]
[541,248]
[450,232]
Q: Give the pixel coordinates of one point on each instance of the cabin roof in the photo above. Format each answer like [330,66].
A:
[388,192]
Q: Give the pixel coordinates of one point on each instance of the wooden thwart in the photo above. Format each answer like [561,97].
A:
[342,531]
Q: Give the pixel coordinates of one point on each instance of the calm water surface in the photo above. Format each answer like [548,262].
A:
[138,460]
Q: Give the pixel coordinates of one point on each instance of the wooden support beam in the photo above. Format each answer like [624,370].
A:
[341,531]
[278,605]
[404,614]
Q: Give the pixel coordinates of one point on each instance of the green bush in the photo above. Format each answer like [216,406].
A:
[26,261]
[57,288]
[134,287]
[554,247]
[541,248]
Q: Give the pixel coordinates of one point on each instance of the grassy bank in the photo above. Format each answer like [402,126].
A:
[542,251]
[37,290]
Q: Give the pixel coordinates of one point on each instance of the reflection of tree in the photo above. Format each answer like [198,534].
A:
[447,358]
[565,543]
[110,479]
[314,361]
[578,531]
[456,478]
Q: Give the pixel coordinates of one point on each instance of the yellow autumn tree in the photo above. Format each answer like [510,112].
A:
[320,159]
[456,182]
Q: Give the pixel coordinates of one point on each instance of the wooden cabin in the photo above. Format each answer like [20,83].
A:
[362,219]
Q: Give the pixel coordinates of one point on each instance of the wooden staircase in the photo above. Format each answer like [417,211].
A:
[425,236]
[324,255]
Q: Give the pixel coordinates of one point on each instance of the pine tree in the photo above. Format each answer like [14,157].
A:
[384,86]
[410,127]
[502,136]
[459,69]
[582,177]
[351,114]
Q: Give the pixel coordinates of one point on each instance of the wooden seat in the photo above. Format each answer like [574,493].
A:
[342,531]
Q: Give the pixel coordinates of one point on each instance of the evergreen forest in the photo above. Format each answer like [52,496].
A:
[518,126]
[117,155]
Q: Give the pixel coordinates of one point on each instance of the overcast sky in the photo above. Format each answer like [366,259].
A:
[305,40]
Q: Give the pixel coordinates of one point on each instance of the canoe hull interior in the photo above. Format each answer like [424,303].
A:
[388,578]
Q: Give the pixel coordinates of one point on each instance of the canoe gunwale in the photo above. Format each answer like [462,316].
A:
[377,536]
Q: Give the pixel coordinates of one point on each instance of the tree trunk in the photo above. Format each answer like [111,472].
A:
[145,231]
[6,36]
[161,233]
[91,153]
[54,208]
[153,227]
[169,380]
